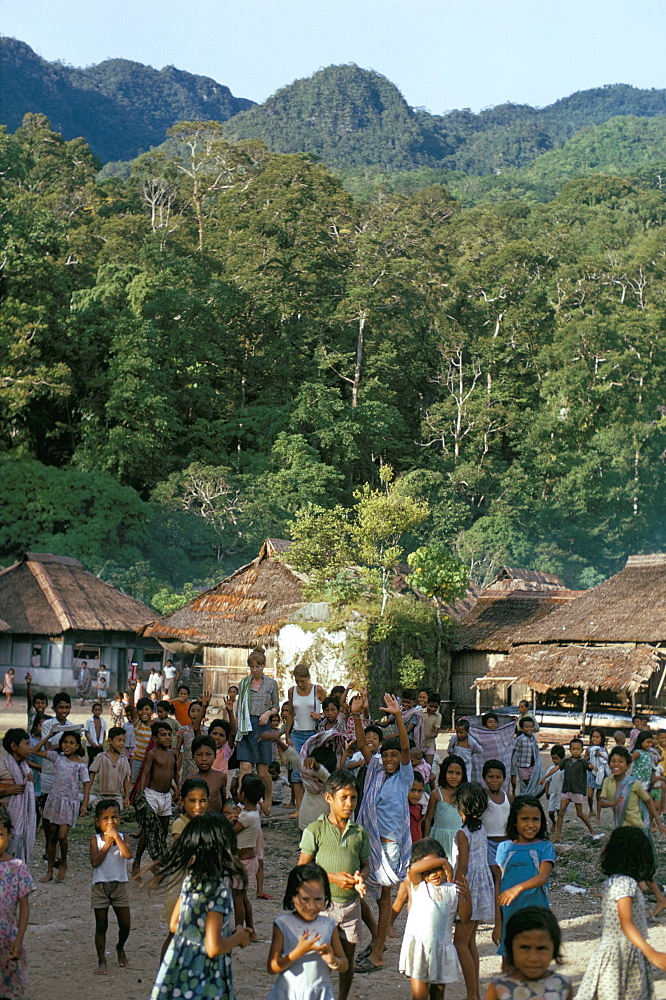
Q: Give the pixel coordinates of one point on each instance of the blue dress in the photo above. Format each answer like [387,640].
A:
[519,863]
[308,978]
[186,970]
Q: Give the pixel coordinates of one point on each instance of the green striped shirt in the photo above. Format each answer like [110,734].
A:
[337,852]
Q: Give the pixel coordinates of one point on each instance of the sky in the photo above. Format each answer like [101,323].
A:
[442,54]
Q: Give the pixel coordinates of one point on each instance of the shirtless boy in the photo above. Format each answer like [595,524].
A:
[159,779]
[203,755]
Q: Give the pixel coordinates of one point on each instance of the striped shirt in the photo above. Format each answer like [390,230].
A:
[142,733]
[111,774]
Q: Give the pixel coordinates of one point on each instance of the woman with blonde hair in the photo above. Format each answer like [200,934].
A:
[258,700]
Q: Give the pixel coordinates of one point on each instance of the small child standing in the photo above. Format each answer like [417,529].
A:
[62,804]
[117,709]
[306,943]
[280,783]
[574,786]
[154,802]
[201,919]
[442,819]
[17,785]
[110,770]
[8,687]
[95,732]
[553,782]
[416,808]
[526,860]
[109,852]
[525,759]
[203,755]
[598,758]
[533,940]
[621,964]
[465,746]
[16,884]
[247,829]
[494,822]
[472,864]
[428,955]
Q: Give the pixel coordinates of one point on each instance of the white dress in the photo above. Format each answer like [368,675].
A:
[479,877]
[427,951]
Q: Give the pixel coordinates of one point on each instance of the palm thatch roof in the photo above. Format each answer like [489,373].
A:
[44,594]
[592,668]
[628,607]
[516,598]
[250,605]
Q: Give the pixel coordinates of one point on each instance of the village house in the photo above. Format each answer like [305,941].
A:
[55,614]
[260,604]
[483,637]
[604,650]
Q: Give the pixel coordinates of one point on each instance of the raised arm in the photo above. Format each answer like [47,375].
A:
[357,704]
[393,708]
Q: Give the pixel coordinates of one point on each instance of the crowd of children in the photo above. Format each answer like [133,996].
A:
[384,822]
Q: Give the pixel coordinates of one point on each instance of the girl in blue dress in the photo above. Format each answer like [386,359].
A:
[526,860]
[197,962]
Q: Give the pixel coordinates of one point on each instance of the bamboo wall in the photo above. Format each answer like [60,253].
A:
[225,665]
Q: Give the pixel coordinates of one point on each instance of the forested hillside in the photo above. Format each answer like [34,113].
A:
[121,108]
[186,365]
[351,118]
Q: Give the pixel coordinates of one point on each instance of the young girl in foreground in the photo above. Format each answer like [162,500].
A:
[305,944]
[620,966]
[198,960]
[15,884]
[526,860]
[472,863]
[194,802]
[427,954]
[533,940]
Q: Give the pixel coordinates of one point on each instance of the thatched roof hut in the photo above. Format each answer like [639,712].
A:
[484,632]
[610,639]
[243,610]
[57,613]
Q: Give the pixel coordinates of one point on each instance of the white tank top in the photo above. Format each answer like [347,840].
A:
[114,866]
[495,817]
[303,705]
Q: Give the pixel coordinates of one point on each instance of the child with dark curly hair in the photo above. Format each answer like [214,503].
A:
[621,965]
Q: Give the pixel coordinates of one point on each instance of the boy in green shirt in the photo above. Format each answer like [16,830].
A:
[342,848]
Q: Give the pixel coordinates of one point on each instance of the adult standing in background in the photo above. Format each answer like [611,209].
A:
[155,683]
[170,678]
[258,699]
[305,700]
[84,682]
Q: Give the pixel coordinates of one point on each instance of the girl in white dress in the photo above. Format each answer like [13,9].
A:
[306,944]
[427,955]
[473,864]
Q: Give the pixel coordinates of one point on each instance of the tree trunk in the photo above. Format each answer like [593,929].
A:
[359,359]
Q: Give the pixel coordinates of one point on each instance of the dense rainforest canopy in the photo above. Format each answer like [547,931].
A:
[193,355]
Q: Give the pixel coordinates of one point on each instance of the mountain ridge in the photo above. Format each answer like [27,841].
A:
[349,117]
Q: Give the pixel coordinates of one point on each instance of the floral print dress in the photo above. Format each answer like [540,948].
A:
[15,882]
[186,970]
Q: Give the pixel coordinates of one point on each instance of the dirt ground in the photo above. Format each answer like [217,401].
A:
[61,952]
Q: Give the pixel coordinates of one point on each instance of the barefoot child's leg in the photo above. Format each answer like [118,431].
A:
[124,924]
[101,925]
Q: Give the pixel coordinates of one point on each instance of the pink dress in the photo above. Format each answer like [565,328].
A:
[15,882]
[62,804]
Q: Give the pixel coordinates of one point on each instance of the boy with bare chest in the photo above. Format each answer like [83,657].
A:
[203,755]
[159,779]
